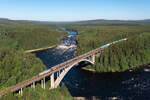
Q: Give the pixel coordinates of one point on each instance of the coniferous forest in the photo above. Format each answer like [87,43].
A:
[18,36]
[123,56]
[74,49]
[17,66]
[119,57]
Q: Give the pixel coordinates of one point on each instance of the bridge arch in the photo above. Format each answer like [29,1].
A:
[62,75]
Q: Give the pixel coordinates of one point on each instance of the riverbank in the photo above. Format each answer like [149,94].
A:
[87,98]
[128,70]
[56,94]
[83,83]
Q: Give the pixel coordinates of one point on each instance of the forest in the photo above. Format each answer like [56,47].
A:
[121,56]
[18,36]
[60,93]
[17,66]
[30,36]
[14,40]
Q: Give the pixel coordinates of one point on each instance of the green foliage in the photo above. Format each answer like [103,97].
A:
[125,55]
[91,37]
[16,66]
[30,37]
[60,93]
[17,36]
[119,57]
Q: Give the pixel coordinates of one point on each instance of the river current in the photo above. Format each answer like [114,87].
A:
[134,85]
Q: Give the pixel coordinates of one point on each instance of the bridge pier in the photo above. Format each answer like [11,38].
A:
[33,85]
[60,71]
[58,74]
[93,58]
[43,83]
[20,91]
[52,81]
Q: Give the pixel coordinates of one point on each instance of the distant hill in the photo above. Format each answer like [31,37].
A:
[106,22]
[145,20]
[4,21]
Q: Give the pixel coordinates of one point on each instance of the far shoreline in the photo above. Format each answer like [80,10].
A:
[133,69]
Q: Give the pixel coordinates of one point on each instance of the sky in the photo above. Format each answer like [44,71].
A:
[74,10]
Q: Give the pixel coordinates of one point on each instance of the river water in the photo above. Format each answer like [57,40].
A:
[133,85]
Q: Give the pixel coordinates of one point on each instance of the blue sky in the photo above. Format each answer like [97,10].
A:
[72,10]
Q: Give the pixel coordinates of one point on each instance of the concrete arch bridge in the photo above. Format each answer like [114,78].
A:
[60,70]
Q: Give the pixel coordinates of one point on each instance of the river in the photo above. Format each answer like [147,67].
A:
[133,85]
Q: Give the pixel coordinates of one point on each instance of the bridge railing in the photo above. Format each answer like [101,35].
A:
[55,69]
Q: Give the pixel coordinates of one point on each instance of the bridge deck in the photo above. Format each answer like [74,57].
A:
[55,69]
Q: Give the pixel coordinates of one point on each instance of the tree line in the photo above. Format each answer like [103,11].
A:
[121,56]
[17,66]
